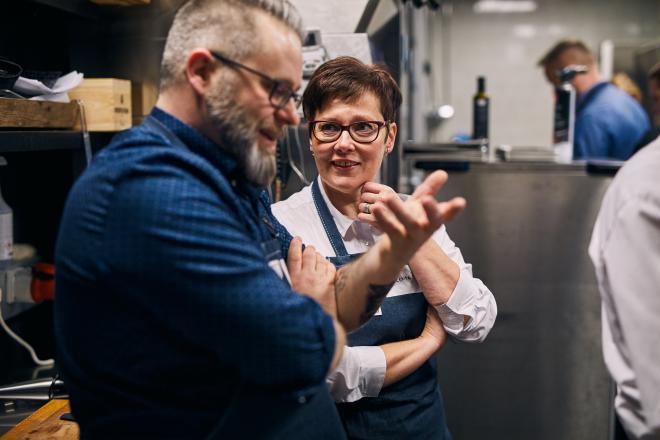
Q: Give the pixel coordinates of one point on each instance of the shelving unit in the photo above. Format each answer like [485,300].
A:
[43,164]
[32,141]
[16,141]
[83,8]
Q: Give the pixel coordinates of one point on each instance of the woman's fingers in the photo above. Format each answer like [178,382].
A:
[387,221]
[452,208]
[431,184]
[373,187]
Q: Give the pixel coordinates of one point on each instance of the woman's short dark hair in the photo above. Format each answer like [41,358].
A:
[348,79]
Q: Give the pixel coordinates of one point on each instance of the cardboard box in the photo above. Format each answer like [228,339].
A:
[23,113]
[107,103]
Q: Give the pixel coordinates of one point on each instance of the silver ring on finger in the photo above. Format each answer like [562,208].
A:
[366,209]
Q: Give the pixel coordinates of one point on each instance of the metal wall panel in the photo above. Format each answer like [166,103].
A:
[540,374]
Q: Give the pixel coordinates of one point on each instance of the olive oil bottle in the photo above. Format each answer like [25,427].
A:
[480,109]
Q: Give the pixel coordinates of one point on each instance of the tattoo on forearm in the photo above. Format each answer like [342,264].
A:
[375,297]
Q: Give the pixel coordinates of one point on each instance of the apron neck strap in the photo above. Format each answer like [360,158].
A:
[328,222]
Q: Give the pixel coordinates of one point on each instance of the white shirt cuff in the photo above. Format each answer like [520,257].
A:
[360,373]
[451,313]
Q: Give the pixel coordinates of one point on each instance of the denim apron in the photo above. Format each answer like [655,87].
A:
[411,408]
[253,414]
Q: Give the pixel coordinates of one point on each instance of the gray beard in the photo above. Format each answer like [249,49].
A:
[238,134]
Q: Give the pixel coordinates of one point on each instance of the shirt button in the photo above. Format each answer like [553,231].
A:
[302,399]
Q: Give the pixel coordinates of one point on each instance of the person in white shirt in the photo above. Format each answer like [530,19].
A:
[625,250]
[386,383]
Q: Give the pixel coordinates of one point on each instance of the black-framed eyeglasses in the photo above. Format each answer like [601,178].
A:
[280,91]
[364,132]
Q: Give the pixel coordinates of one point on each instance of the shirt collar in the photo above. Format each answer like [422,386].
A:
[198,143]
[343,222]
[589,94]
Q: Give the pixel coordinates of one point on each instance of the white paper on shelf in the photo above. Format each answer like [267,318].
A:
[40,92]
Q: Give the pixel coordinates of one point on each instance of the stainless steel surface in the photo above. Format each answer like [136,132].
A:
[13,411]
[37,389]
[540,373]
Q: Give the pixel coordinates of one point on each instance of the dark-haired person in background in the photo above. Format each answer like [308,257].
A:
[608,122]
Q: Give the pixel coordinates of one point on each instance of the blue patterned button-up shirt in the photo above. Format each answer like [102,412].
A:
[169,321]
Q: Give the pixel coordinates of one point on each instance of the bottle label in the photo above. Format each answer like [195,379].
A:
[6,237]
[480,119]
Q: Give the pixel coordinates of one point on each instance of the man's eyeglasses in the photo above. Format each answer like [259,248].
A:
[364,132]
[280,91]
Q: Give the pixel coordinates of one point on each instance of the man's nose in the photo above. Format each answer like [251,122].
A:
[289,114]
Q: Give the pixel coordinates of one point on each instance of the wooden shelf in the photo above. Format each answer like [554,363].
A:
[87,9]
[83,8]
[43,140]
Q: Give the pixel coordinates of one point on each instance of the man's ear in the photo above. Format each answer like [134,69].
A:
[200,67]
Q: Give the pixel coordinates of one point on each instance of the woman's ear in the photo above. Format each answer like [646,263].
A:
[391,137]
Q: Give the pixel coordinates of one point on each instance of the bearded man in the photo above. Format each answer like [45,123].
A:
[184,309]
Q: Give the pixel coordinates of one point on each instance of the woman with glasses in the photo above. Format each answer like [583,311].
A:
[386,384]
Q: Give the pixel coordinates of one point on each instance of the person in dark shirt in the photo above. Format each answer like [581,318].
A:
[184,308]
[654,90]
[608,122]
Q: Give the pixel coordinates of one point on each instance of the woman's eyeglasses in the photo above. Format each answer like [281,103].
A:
[364,132]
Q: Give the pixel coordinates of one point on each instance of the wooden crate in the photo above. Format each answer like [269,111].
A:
[144,96]
[24,113]
[121,2]
[107,103]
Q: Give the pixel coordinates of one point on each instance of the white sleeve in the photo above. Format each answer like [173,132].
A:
[360,373]
[470,298]
[631,260]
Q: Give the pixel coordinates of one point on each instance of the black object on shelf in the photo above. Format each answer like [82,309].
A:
[42,140]
[83,8]
[9,73]
[37,389]
[604,167]
[432,165]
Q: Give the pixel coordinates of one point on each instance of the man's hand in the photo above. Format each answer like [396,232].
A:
[312,275]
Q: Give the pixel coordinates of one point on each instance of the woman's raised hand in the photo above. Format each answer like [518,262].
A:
[408,224]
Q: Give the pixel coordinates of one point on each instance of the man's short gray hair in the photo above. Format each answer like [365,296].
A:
[227,26]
